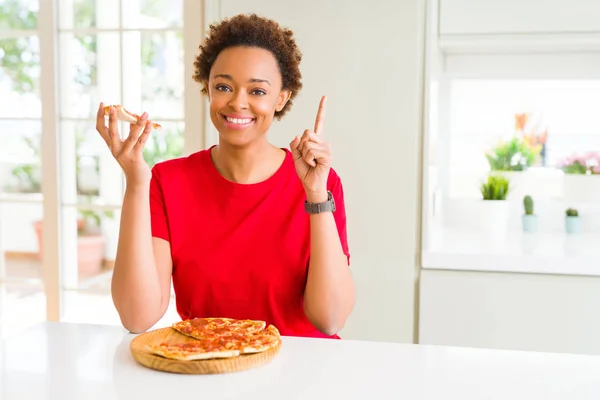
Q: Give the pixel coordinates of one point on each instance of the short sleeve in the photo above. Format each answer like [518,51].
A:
[158,211]
[336,188]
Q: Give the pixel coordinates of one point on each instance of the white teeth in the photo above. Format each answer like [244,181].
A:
[239,121]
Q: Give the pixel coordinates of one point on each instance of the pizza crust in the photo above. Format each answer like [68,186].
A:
[176,353]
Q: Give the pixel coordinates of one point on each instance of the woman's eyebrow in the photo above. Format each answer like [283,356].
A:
[252,80]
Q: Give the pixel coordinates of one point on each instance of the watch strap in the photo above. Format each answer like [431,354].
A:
[317,208]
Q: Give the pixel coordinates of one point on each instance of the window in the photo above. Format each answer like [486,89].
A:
[558,118]
[136,53]
[510,116]
[20,162]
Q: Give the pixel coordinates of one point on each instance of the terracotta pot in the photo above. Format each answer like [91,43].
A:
[90,250]
[90,253]
[38,231]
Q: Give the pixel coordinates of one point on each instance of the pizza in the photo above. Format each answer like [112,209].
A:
[218,338]
[127,116]
[200,328]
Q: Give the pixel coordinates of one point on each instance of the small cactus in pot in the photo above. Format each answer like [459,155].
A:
[529,219]
[572,221]
[571,212]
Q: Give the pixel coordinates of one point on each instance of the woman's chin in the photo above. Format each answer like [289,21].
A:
[239,137]
[236,139]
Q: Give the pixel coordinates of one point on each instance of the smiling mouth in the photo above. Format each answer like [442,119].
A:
[238,121]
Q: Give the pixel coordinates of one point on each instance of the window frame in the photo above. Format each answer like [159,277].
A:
[55,247]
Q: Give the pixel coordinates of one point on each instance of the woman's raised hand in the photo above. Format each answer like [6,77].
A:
[312,157]
[128,152]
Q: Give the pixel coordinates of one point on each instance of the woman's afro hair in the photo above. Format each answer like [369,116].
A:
[252,31]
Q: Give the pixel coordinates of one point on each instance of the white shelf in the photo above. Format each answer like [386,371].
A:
[539,253]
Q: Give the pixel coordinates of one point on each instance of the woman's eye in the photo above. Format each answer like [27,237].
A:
[258,92]
[222,88]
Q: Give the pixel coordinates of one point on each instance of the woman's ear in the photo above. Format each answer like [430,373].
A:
[205,86]
[282,100]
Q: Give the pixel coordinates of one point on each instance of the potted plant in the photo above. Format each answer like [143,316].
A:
[495,188]
[516,155]
[529,219]
[581,177]
[493,214]
[91,241]
[572,221]
[513,155]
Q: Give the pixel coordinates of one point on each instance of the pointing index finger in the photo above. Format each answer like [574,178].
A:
[320,121]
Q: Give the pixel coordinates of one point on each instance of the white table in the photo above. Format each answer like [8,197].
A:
[78,361]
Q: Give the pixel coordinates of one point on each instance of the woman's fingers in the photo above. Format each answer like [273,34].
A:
[316,153]
[134,133]
[113,132]
[139,145]
[320,120]
[101,124]
[309,137]
[313,148]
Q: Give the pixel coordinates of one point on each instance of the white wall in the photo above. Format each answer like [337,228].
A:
[518,16]
[510,311]
[367,57]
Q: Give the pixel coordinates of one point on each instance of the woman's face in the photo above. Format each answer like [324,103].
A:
[244,90]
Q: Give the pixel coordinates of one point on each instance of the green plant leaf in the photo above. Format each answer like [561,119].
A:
[496,187]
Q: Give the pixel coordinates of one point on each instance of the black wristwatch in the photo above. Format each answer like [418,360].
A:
[316,208]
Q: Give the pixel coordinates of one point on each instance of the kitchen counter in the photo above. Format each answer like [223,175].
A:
[79,361]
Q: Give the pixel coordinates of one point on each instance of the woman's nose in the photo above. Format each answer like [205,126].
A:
[239,100]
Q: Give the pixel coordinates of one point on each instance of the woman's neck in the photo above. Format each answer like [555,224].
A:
[247,165]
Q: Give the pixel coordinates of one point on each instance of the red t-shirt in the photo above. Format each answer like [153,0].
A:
[239,250]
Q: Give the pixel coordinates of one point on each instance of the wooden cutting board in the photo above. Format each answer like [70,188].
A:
[213,366]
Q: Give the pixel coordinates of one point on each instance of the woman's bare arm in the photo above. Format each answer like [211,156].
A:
[141,283]
[143,266]
[330,293]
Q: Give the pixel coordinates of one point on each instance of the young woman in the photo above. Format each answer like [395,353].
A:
[246,230]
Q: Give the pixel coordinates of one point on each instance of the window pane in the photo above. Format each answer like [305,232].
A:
[525,128]
[158,89]
[20,77]
[20,160]
[18,14]
[90,73]
[90,174]
[89,14]
[164,144]
[483,112]
[152,13]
